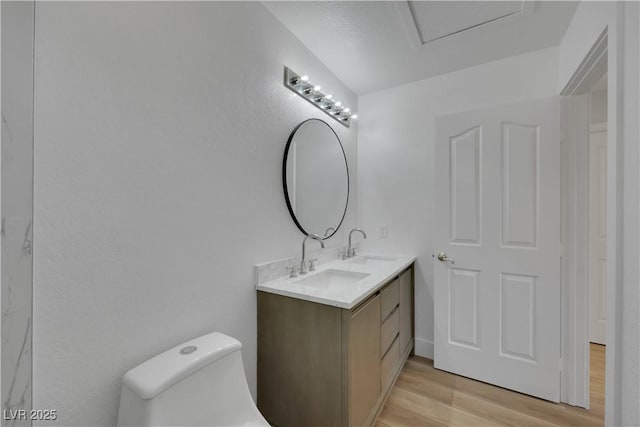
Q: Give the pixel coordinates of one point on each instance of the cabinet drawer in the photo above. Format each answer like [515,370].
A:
[389,299]
[389,331]
[389,363]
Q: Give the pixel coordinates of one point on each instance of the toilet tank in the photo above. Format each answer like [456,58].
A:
[198,383]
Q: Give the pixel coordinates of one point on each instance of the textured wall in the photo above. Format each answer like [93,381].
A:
[396,147]
[17,207]
[159,135]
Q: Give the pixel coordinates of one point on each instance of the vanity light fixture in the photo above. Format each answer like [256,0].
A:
[302,86]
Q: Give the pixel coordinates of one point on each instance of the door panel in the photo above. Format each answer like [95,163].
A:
[517,316]
[497,296]
[520,181]
[465,187]
[463,307]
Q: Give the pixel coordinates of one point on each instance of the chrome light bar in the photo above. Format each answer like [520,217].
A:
[314,94]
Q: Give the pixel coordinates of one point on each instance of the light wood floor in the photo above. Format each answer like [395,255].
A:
[425,396]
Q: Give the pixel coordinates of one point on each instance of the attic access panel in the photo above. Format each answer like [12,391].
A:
[439,19]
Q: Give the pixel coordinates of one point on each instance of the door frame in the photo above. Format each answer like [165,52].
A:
[574,333]
[574,366]
[606,53]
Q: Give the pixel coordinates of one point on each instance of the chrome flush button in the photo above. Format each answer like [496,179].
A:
[188,349]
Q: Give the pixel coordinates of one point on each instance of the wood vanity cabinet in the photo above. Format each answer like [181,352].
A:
[320,365]
[406,309]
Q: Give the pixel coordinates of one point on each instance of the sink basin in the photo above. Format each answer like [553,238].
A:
[372,259]
[332,279]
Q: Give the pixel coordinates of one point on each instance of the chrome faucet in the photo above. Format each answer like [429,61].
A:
[328,231]
[303,263]
[351,252]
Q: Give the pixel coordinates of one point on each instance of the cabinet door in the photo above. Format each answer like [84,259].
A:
[364,361]
[406,309]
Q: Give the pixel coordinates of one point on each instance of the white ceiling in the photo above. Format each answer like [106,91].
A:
[374,45]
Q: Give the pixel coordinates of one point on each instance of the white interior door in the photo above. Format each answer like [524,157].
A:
[597,234]
[497,302]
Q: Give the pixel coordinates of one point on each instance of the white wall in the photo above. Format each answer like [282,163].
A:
[159,135]
[396,137]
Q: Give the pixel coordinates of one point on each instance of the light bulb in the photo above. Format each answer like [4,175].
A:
[346,110]
[317,88]
[338,104]
[329,96]
[304,78]
[354,116]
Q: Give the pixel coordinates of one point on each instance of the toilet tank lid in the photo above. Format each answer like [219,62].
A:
[162,371]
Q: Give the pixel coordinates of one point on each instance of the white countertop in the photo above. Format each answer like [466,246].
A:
[347,297]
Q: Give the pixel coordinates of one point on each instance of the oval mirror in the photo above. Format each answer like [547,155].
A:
[316,178]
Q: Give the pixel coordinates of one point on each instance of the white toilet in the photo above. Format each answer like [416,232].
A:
[198,383]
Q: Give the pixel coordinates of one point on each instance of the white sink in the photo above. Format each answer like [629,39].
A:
[332,279]
[372,259]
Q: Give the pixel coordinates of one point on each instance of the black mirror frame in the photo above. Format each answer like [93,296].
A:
[284,179]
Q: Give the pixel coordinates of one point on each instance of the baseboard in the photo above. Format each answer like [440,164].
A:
[424,348]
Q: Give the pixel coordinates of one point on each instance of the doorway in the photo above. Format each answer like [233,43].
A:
[597,242]
[597,213]
[468,223]
[587,168]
